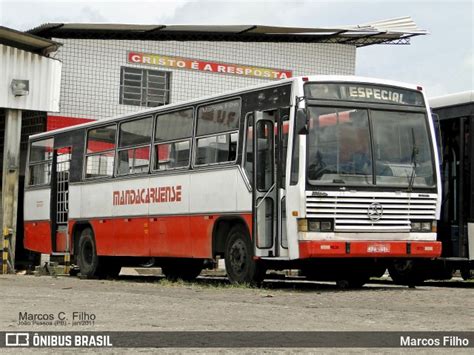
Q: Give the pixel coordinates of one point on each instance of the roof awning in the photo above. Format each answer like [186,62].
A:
[27,41]
[393,31]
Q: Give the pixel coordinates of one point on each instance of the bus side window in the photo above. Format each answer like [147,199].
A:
[134,146]
[100,152]
[248,153]
[41,156]
[284,144]
[217,133]
[173,133]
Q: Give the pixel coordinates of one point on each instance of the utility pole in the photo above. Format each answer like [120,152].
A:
[10,182]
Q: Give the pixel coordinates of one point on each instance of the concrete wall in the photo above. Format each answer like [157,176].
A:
[90,85]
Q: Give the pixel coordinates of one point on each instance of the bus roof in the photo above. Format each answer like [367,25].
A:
[300,79]
[455,99]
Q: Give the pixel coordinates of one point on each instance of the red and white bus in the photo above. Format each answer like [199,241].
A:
[337,176]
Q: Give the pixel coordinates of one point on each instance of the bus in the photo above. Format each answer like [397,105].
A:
[336,176]
[454,115]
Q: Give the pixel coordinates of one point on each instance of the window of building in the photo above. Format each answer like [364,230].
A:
[217,132]
[134,146]
[144,87]
[173,133]
[41,157]
[100,152]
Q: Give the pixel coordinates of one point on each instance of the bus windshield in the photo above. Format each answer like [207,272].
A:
[367,147]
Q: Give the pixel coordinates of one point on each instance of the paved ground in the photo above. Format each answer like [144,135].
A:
[152,303]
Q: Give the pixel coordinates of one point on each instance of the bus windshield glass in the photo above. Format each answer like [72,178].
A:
[366,147]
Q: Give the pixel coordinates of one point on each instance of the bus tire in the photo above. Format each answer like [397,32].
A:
[352,282]
[467,273]
[240,265]
[406,272]
[87,258]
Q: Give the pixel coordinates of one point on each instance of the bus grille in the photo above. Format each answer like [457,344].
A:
[351,212]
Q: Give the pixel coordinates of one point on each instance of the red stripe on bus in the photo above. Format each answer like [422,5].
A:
[378,249]
[159,236]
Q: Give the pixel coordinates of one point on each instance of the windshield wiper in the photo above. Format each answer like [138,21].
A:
[414,153]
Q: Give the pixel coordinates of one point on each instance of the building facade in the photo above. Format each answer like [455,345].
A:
[109,70]
[98,74]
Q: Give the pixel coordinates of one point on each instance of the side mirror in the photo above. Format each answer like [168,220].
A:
[301,124]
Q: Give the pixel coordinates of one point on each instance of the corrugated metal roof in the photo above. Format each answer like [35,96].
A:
[43,74]
[395,25]
[27,41]
[392,31]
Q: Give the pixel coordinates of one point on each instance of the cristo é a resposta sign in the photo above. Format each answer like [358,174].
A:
[208,66]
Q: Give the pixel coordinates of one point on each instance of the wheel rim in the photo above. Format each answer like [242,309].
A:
[238,256]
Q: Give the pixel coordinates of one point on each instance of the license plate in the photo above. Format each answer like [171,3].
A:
[378,248]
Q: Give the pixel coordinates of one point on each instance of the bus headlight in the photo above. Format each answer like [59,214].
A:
[423,226]
[326,226]
[314,225]
[415,226]
[426,226]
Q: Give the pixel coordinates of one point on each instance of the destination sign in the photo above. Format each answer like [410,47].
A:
[364,93]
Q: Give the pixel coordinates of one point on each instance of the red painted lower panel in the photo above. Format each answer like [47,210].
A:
[368,249]
[61,242]
[37,236]
[161,236]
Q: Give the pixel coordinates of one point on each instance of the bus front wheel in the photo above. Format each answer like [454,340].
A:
[240,265]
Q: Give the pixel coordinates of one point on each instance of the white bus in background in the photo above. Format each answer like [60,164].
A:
[337,176]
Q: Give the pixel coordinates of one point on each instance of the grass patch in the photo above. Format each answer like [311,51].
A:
[204,284]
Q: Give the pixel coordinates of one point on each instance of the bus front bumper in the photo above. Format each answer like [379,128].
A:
[369,249]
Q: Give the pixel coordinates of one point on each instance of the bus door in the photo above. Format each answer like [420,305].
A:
[266,193]
[60,199]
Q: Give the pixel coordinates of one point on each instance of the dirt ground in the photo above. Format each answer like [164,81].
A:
[151,303]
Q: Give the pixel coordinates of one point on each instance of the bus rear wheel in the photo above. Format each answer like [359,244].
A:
[87,258]
[240,265]
[90,264]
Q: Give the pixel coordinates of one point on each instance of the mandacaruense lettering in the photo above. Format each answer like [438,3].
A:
[139,196]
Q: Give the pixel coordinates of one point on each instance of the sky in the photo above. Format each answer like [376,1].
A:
[442,61]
